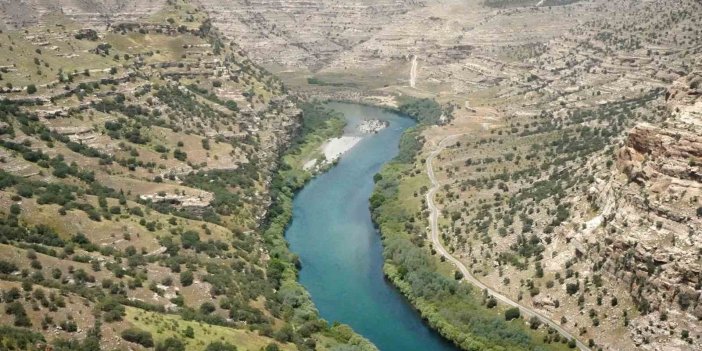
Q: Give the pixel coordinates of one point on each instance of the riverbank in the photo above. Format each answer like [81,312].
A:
[456,310]
[319,125]
[338,246]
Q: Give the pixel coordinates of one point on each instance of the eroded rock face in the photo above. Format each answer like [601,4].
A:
[657,217]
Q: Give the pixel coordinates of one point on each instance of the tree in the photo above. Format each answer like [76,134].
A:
[186,278]
[534,322]
[491,302]
[457,275]
[572,288]
[512,313]
[31,89]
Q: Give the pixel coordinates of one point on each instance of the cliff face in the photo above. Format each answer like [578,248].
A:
[656,221]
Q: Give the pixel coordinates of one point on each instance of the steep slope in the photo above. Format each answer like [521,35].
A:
[654,219]
[535,197]
[571,189]
[135,178]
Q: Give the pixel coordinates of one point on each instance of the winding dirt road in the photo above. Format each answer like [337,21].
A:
[433,223]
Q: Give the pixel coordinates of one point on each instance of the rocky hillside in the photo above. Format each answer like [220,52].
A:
[135,172]
[17,14]
[303,34]
[652,217]
[573,187]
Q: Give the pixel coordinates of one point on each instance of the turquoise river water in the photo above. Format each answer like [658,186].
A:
[341,251]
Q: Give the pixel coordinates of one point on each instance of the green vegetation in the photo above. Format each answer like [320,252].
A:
[512,313]
[456,310]
[138,336]
[320,82]
[425,111]
[82,240]
[319,124]
[12,338]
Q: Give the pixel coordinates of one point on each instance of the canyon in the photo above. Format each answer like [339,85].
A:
[570,184]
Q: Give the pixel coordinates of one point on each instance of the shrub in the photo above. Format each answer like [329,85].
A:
[171,344]
[138,336]
[207,307]
[189,332]
[180,155]
[186,278]
[231,104]
[189,239]
[31,89]
[7,267]
[136,211]
[512,313]
[24,190]
[491,302]
[572,288]
[21,319]
[113,310]
[220,346]
[69,326]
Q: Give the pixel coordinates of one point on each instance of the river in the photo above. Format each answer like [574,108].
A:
[341,251]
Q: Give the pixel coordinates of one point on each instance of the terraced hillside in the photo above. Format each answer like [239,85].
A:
[557,192]
[135,178]
[570,184]
[18,14]
[537,195]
